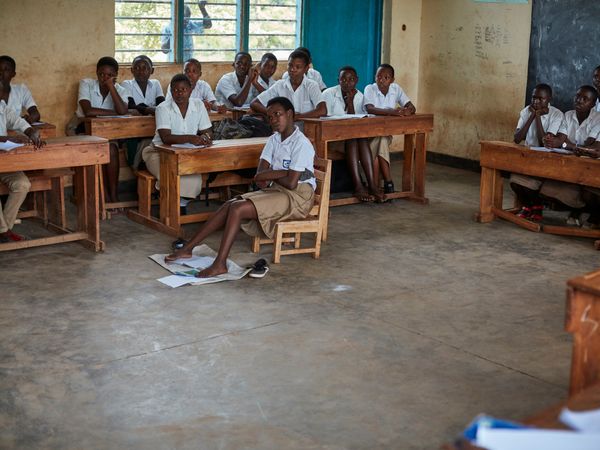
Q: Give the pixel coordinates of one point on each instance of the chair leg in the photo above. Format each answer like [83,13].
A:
[277,245]
[317,252]
[255,244]
[144,196]
[297,240]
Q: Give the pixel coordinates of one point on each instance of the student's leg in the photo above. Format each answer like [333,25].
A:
[216,222]
[366,161]
[385,169]
[239,210]
[18,185]
[111,174]
[352,163]
[527,197]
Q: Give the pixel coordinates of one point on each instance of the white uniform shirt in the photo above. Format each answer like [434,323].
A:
[264,84]
[580,133]
[295,153]
[598,105]
[229,85]
[335,101]
[312,74]
[11,120]
[395,96]
[153,90]
[305,98]
[551,123]
[168,117]
[202,90]
[20,98]
[89,89]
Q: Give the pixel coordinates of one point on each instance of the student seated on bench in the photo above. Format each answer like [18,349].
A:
[179,120]
[536,121]
[17,96]
[285,175]
[580,127]
[17,182]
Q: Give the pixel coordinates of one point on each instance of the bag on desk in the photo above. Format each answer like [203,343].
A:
[231,129]
[259,127]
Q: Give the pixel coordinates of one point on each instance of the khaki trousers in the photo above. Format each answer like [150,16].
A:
[189,185]
[18,185]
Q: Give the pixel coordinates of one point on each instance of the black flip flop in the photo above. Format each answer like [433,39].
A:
[259,269]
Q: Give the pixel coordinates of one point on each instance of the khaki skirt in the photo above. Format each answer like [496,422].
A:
[276,204]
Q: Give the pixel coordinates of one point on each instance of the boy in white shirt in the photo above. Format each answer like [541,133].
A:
[537,121]
[266,69]
[580,127]
[304,94]
[346,99]
[144,94]
[17,182]
[385,98]
[234,88]
[102,97]
[311,72]
[285,175]
[179,120]
[16,96]
[200,88]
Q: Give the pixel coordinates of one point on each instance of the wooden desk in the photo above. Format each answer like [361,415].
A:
[231,154]
[46,130]
[414,128]
[120,127]
[583,321]
[84,154]
[497,156]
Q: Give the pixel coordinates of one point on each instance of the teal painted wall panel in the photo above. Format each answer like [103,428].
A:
[343,32]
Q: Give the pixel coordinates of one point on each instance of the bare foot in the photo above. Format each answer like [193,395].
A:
[363,195]
[377,195]
[212,271]
[178,254]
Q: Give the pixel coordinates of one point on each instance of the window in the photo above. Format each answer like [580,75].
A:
[212,30]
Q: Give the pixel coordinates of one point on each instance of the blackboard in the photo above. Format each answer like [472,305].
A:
[564,47]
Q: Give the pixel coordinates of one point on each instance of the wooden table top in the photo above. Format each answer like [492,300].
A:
[588,283]
[46,130]
[221,144]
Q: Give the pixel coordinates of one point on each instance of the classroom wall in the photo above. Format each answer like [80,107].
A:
[473,71]
[56,43]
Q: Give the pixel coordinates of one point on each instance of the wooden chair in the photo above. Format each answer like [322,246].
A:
[316,221]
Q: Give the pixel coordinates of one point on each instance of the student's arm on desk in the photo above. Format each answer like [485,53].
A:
[32,136]
[33,115]
[204,137]
[408,110]
[319,111]
[258,107]
[286,178]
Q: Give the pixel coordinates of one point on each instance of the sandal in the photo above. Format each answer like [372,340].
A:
[524,213]
[537,213]
[178,244]
[259,269]
[388,187]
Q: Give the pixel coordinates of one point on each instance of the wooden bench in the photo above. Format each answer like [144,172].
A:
[47,189]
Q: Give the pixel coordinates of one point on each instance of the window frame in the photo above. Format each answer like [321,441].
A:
[242,28]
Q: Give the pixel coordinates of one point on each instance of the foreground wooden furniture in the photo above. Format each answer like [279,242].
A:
[314,223]
[583,321]
[414,128]
[497,156]
[84,154]
[46,130]
[223,156]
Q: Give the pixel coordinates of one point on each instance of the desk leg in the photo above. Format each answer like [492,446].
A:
[407,165]
[490,194]
[88,205]
[420,161]
[169,191]
[582,318]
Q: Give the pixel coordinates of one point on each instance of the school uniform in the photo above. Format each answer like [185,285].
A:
[168,117]
[336,105]
[229,85]
[202,91]
[313,75]
[569,193]
[89,89]
[277,203]
[17,182]
[20,98]
[265,84]
[598,105]
[380,146]
[153,91]
[305,98]
[551,123]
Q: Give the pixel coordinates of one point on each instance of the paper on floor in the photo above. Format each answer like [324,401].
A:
[532,439]
[586,421]
[203,256]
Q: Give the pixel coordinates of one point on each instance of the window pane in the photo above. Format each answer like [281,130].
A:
[139,28]
[273,27]
[210,33]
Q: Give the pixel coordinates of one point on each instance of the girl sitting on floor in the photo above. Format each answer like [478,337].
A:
[285,175]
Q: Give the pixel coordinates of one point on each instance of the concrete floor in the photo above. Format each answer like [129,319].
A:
[414,320]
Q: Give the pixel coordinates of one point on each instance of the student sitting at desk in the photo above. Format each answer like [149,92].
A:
[385,98]
[179,120]
[102,97]
[591,195]
[200,88]
[266,69]
[346,99]
[234,88]
[17,182]
[596,83]
[311,72]
[285,175]
[16,96]
[580,127]
[304,94]
[536,121]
